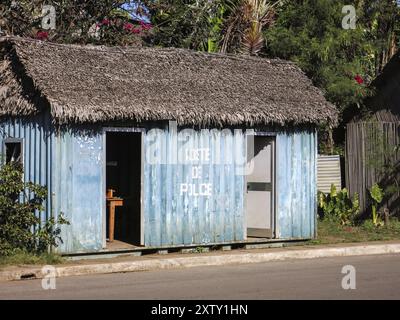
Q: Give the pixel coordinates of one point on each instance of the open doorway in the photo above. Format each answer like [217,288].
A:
[123,189]
[260,193]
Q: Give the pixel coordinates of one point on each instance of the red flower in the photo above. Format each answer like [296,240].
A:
[145,26]
[128,26]
[105,22]
[359,79]
[134,30]
[42,35]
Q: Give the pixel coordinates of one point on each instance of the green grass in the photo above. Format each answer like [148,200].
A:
[331,232]
[22,258]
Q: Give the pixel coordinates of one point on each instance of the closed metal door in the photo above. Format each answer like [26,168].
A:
[260,189]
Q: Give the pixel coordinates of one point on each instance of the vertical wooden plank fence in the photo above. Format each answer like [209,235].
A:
[370,148]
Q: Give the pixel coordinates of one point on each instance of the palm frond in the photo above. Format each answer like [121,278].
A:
[248,18]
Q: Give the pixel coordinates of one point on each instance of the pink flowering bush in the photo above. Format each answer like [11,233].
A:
[119,31]
[42,35]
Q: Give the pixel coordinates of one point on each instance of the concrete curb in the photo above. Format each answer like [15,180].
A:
[207,260]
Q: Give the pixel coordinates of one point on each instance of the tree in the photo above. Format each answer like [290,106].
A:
[381,19]
[102,22]
[20,227]
[244,25]
[233,26]
[192,24]
[339,61]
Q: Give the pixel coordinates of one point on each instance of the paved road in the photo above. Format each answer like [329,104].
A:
[377,277]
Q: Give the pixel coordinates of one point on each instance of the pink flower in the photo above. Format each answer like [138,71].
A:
[135,30]
[42,35]
[145,26]
[359,79]
[128,26]
[105,22]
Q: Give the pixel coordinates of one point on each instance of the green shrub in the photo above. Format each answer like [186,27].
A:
[368,225]
[376,194]
[20,227]
[337,206]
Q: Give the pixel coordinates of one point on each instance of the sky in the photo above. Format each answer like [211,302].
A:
[132,6]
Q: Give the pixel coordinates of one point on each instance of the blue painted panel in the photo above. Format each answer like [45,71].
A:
[296,184]
[79,192]
[71,165]
[173,216]
[38,140]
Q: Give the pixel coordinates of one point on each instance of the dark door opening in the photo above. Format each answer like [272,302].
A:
[123,176]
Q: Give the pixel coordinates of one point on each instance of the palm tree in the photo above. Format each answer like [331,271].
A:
[245,23]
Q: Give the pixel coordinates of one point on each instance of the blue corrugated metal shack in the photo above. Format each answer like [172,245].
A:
[198,148]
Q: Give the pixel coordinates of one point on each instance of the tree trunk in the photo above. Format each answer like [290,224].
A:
[386,216]
[330,142]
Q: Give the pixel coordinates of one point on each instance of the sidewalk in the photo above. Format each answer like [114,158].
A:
[213,258]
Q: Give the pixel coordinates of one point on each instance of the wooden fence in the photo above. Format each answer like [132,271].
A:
[373,156]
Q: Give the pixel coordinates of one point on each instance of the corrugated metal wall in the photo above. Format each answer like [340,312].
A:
[328,173]
[296,184]
[71,163]
[37,134]
[221,217]
[173,218]
[79,189]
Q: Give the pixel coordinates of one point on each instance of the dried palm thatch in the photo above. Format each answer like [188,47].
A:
[87,84]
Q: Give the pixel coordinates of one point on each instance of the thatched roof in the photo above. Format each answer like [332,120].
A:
[86,84]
